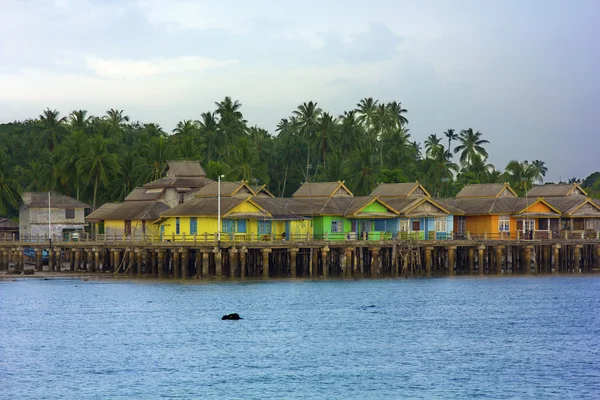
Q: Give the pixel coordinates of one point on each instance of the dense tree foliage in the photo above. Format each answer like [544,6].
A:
[102,158]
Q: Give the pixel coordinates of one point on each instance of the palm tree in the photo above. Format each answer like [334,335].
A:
[383,122]
[470,144]
[442,170]
[261,140]
[116,118]
[351,132]
[53,129]
[157,152]
[396,111]
[245,163]
[208,127]
[366,111]
[68,155]
[365,167]
[79,120]
[98,164]
[232,124]
[129,175]
[185,128]
[307,119]
[9,187]
[521,175]
[325,135]
[432,145]
[540,170]
[451,136]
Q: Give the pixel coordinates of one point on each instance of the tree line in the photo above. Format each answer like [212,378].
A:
[99,159]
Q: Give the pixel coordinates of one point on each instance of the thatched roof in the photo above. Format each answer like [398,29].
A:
[399,190]
[40,200]
[556,190]
[486,190]
[138,211]
[182,169]
[228,189]
[174,182]
[323,189]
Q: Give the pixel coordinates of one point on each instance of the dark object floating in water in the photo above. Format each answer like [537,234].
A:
[233,317]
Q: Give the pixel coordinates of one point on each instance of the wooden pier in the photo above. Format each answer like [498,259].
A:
[306,259]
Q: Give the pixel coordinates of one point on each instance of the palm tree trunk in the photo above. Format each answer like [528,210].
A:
[95,192]
[325,153]
[307,164]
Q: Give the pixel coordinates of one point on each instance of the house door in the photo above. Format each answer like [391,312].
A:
[416,226]
[364,226]
[554,225]
[288,230]
[128,227]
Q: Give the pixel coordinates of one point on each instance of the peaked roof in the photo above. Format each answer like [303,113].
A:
[185,169]
[262,191]
[228,189]
[178,182]
[6,223]
[522,205]
[40,200]
[399,190]
[140,194]
[323,189]
[556,190]
[209,206]
[405,205]
[485,190]
[133,210]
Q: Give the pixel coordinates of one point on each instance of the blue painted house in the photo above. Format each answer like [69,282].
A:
[420,216]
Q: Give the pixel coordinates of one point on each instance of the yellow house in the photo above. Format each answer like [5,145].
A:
[131,219]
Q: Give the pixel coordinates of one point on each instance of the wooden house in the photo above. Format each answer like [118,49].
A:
[579,212]
[337,215]
[39,212]
[9,230]
[128,219]
[181,181]
[420,216]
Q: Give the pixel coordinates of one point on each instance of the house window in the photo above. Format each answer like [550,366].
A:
[70,213]
[228,226]
[181,198]
[504,223]
[241,225]
[543,224]
[193,225]
[528,225]
[462,224]
[404,225]
[264,227]
[337,226]
[441,224]
[177,226]
[144,227]
[380,225]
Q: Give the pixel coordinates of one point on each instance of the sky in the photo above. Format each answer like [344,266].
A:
[525,73]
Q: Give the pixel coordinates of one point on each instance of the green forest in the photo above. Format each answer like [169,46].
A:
[98,159]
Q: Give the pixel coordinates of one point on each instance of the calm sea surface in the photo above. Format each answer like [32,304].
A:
[499,338]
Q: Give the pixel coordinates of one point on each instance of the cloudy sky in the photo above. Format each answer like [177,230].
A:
[525,73]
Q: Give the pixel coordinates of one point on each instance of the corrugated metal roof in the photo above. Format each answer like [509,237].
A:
[481,190]
[396,189]
[555,190]
[227,189]
[319,189]
[138,210]
[185,169]
[40,200]
[174,182]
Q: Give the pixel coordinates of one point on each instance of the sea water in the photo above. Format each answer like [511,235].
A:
[463,338]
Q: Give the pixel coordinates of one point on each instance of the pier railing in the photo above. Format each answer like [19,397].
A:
[210,238]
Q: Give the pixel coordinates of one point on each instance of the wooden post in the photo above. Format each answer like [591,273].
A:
[77,264]
[481,260]
[428,251]
[38,259]
[96,264]
[471,260]
[243,253]
[348,266]
[265,263]
[293,261]
[233,262]
[499,250]
[325,260]
[205,270]
[185,264]
[218,263]
[546,259]
[527,258]
[598,256]
[57,259]
[161,263]
[577,259]
[556,265]
[131,268]
[89,260]
[138,257]
[153,262]
[395,260]
[451,257]
[375,262]
[117,260]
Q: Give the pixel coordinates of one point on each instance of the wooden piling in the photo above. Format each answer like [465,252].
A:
[499,250]
[451,259]
[265,263]
[481,259]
